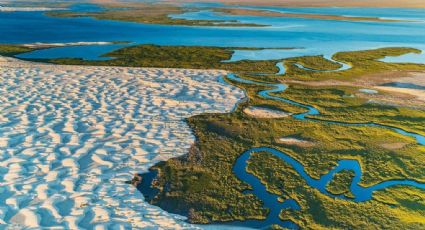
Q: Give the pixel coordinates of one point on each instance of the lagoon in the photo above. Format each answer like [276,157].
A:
[308,36]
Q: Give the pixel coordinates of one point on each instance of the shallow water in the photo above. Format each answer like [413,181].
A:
[87,52]
[405,85]
[311,37]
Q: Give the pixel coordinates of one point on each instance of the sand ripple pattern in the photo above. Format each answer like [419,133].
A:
[71,136]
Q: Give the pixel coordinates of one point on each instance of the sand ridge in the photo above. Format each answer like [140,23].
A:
[71,137]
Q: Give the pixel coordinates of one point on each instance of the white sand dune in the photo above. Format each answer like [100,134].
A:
[25,9]
[71,136]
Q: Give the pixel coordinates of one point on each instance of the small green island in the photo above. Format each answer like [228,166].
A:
[341,183]
[202,185]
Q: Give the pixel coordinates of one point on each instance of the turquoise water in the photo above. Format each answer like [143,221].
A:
[310,37]
[88,52]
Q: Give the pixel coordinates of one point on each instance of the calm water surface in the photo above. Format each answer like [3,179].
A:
[311,37]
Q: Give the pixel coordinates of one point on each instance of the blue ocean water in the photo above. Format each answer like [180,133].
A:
[310,37]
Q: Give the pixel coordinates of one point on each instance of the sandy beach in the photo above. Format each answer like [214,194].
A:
[72,136]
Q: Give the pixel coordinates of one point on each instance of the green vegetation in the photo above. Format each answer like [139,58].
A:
[202,186]
[316,63]
[362,62]
[194,57]
[267,13]
[319,211]
[222,138]
[149,14]
[340,184]
[408,199]
[10,50]
[335,105]
[196,187]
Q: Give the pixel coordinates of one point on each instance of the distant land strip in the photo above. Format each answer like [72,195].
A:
[316,3]
[268,13]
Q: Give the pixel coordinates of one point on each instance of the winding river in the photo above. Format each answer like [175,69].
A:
[344,66]
[361,194]
[311,111]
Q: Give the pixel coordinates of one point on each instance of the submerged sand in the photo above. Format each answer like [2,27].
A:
[71,137]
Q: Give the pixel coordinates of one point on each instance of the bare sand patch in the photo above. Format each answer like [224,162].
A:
[418,94]
[295,141]
[393,87]
[394,146]
[413,85]
[261,112]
